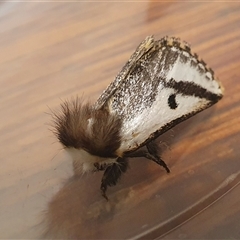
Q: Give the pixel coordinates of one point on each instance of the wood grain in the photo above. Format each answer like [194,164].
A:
[51,51]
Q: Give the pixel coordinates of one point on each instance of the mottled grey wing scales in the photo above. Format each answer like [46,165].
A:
[135,94]
[141,50]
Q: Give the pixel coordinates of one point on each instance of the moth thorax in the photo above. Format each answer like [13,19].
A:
[84,161]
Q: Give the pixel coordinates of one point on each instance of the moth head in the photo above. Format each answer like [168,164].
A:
[81,126]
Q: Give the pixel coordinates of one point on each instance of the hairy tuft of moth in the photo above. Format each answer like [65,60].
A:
[79,125]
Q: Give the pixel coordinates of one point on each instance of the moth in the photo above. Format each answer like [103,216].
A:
[162,84]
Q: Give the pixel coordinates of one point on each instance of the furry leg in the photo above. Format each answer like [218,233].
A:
[112,174]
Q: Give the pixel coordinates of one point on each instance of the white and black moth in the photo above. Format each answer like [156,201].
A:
[162,84]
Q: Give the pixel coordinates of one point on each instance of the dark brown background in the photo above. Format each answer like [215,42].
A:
[56,50]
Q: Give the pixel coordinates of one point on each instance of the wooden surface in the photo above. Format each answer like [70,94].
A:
[56,50]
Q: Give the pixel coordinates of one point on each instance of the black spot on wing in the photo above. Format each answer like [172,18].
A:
[172,101]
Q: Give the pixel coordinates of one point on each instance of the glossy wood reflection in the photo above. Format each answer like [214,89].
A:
[53,51]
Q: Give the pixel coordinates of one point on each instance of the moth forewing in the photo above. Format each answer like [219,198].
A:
[165,86]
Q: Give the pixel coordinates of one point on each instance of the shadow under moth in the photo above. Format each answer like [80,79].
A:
[162,84]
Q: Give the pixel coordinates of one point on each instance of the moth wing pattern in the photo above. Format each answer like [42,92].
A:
[161,85]
[141,50]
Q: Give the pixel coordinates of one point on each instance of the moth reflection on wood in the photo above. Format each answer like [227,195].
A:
[162,84]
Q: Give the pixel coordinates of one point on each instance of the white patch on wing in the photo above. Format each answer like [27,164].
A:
[139,129]
[181,71]
[87,160]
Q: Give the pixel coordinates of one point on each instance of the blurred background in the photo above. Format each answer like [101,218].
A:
[52,51]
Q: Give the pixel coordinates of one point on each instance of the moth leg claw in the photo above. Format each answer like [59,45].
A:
[158,160]
[103,191]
